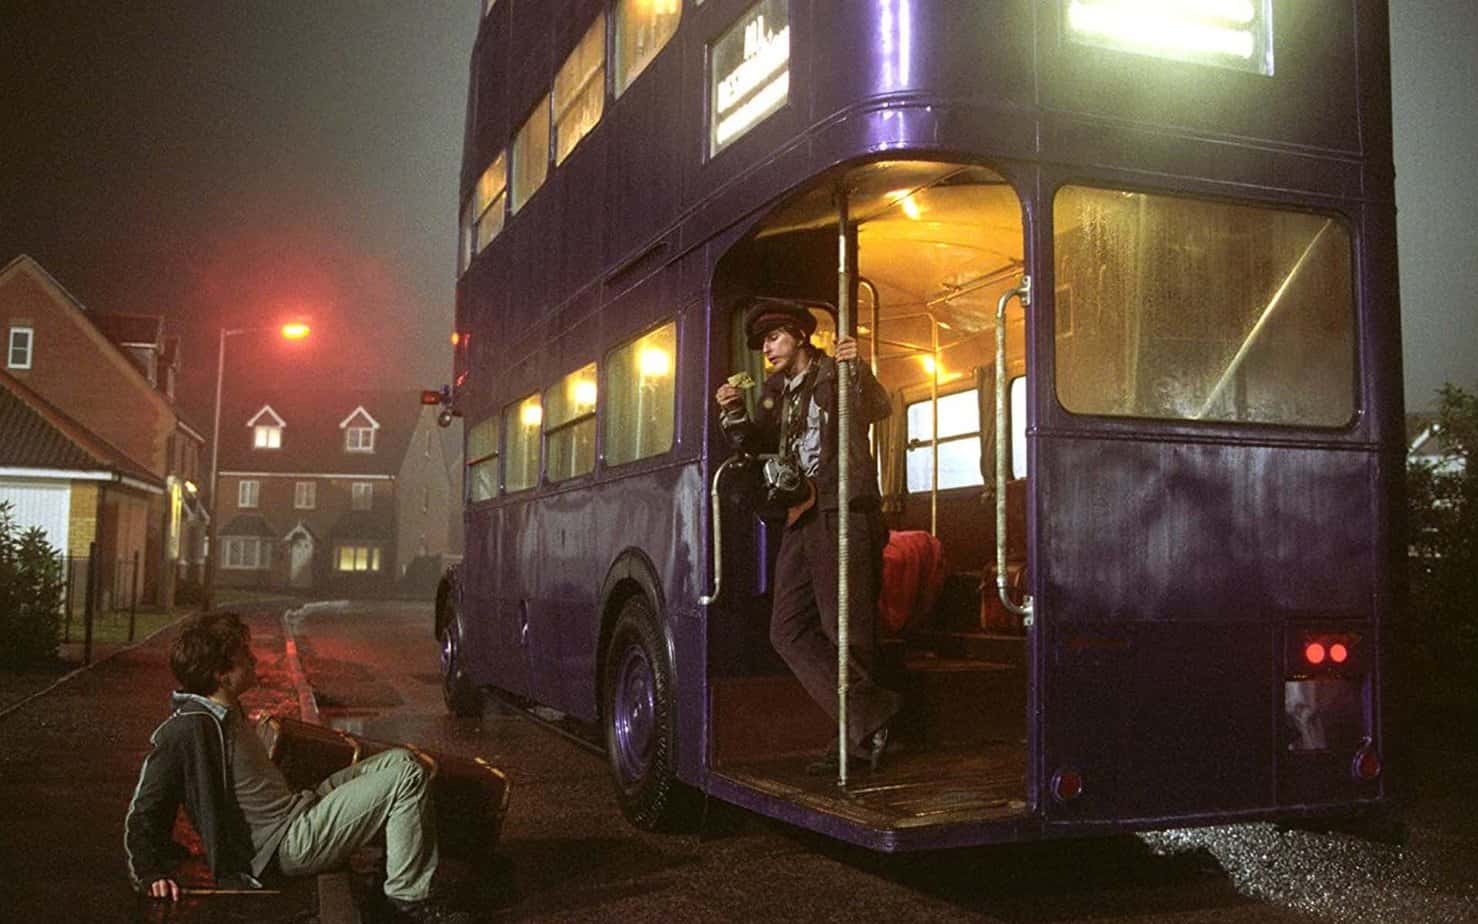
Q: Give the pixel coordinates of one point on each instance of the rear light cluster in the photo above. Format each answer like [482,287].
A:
[1315,653]
[1067,785]
[1366,765]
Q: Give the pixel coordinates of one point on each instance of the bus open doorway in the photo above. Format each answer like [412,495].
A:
[937,247]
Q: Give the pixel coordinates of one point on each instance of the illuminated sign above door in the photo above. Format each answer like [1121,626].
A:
[748,72]
[1226,33]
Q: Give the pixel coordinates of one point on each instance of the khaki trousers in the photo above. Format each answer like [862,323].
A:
[386,792]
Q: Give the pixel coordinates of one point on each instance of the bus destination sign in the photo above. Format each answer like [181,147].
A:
[1226,33]
[749,72]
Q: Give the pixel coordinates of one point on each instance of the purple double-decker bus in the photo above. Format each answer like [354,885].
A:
[1127,272]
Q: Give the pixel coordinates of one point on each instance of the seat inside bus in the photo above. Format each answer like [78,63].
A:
[937,244]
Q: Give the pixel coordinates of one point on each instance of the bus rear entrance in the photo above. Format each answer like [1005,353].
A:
[1127,645]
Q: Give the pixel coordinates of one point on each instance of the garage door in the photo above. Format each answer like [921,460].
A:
[40,503]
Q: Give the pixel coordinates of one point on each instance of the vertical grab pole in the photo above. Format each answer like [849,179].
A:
[845,273]
[1024,293]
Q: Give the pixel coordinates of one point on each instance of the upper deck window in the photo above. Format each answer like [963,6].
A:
[570,424]
[1227,33]
[640,396]
[642,28]
[531,154]
[484,216]
[580,90]
[482,460]
[1198,310]
[748,72]
[521,423]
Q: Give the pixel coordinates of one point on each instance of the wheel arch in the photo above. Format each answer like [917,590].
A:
[631,574]
[448,599]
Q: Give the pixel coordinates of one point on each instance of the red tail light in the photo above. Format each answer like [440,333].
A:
[1366,766]
[1338,653]
[1067,785]
[1314,653]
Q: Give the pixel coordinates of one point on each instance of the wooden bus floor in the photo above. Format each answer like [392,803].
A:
[911,789]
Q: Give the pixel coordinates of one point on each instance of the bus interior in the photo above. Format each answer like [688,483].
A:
[937,245]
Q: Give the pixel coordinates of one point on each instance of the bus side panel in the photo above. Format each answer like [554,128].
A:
[491,640]
[519,566]
[565,605]
[1170,577]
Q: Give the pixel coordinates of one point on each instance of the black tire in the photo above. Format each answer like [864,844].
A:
[461,695]
[639,715]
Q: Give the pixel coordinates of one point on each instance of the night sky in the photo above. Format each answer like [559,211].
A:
[232,163]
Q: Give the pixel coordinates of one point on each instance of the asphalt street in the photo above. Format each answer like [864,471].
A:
[567,854]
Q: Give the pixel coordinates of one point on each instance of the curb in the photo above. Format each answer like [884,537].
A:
[335,898]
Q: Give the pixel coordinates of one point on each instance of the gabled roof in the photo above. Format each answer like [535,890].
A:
[273,420]
[360,416]
[312,438]
[39,435]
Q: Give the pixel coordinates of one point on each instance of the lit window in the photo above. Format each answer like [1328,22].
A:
[522,425]
[749,72]
[1228,33]
[247,492]
[1197,310]
[18,354]
[569,420]
[266,437]
[640,397]
[357,558]
[642,28]
[362,495]
[245,553]
[305,495]
[580,90]
[483,218]
[359,439]
[959,442]
[531,155]
[482,460]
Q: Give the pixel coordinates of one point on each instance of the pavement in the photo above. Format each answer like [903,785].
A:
[69,761]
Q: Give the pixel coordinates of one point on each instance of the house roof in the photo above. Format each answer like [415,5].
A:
[37,434]
[313,434]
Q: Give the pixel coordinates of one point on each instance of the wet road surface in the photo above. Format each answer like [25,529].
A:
[567,854]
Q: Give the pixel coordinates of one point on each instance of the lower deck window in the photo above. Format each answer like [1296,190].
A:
[959,442]
[357,558]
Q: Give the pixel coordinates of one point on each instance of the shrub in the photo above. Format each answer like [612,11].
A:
[30,593]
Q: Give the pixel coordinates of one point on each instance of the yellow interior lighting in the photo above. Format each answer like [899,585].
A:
[1212,31]
[531,414]
[655,363]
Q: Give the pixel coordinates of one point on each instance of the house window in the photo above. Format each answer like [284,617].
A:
[305,495]
[959,442]
[266,436]
[482,460]
[247,492]
[363,495]
[642,28]
[640,396]
[531,155]
[359,439]
[18,355]
[357,558]
[246,553]
[580,90]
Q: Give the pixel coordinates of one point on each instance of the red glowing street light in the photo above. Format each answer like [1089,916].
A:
[292,330]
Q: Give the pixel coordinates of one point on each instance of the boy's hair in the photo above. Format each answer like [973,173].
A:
[204,649]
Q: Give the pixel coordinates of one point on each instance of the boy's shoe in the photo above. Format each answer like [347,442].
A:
[429,911]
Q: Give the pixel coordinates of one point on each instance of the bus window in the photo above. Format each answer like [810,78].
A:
[521,421]
[640,396]
[569,424]
[959,442]
[1196,310]
[483,218]
[642,28]
[580,90]
[482,460]
[531,154]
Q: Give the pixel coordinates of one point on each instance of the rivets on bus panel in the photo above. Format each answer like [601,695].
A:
[1067,785]
[1366,765]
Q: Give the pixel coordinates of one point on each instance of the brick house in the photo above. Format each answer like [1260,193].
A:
[114,376]
[330,491]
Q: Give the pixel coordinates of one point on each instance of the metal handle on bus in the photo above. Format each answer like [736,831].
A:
[718,533]
[1024,293]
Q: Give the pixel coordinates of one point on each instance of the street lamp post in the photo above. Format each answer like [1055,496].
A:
[293,331]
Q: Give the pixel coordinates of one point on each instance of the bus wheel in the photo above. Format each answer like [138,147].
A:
[462,696]
[640,718]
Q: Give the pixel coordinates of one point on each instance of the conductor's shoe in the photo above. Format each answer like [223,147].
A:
[429,911]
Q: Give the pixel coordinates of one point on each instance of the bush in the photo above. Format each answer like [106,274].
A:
[1441,637]
[30,593]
